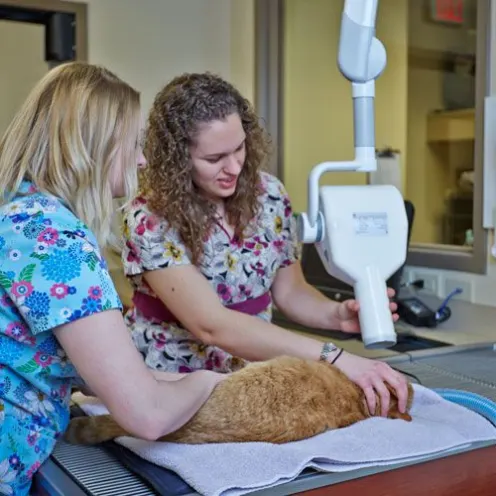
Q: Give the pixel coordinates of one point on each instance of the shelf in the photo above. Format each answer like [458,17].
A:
[451,126]
[433,59]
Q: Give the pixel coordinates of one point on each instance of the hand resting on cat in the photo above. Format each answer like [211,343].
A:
[280,400]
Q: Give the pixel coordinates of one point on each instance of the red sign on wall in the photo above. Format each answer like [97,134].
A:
[451,11]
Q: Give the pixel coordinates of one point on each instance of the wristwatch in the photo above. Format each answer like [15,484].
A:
[327,349]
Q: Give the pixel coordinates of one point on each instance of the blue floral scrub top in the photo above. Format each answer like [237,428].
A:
[51,273]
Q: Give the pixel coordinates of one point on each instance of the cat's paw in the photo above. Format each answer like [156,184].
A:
[398,415]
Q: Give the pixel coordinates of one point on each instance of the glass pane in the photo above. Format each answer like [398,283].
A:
[425,91]
[441,118]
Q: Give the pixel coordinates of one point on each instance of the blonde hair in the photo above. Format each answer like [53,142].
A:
[66,138]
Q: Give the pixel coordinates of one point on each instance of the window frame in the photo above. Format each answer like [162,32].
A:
[79,9]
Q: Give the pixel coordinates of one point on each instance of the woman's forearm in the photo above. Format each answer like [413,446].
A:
[212,323]
[254,339]
[301,302]
[176,398]
[307,306]
[177,401]
[167,376]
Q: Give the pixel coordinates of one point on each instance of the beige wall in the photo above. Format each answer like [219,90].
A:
[318,108]
[22,51]
[242,46]
[147,42]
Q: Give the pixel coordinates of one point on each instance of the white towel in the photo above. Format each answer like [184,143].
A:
[239,468]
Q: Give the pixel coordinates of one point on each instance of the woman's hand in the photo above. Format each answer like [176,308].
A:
[345,314]
[370,375]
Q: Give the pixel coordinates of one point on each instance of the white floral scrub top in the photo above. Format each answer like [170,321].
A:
[51,273]
[238,270]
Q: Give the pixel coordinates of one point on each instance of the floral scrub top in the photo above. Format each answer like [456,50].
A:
[238,270]
[51,273]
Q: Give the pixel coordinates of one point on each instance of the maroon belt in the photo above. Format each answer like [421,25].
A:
[153,308]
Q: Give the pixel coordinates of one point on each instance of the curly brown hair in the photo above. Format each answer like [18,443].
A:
[179,108]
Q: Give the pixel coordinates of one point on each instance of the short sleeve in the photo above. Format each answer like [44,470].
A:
[149,244]
[285,223]
[56,273]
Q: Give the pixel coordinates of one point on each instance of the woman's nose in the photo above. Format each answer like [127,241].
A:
[141,160]
[233,165]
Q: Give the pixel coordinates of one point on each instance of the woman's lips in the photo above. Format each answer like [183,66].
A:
[227,183]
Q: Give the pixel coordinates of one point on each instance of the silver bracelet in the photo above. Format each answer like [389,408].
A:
[327,348]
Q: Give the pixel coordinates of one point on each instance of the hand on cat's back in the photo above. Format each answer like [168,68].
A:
[371,376]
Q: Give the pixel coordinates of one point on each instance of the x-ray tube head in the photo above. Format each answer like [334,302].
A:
[365,243]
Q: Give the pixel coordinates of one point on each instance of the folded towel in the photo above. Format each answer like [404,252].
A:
[238,468]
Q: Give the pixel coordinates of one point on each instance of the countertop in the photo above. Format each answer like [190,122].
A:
[469,324]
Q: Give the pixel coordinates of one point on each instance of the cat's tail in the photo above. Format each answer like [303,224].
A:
[93,430]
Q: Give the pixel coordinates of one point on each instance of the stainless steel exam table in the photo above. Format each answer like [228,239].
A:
[91,471]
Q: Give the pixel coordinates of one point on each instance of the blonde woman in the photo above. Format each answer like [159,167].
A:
[71,149]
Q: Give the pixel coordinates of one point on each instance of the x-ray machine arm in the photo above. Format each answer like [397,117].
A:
[360,231]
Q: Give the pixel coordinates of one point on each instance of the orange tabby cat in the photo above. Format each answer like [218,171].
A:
[277,401]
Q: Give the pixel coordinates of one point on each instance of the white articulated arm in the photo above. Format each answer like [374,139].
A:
[360,232]
[361,59]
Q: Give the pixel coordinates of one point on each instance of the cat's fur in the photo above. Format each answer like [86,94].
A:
[277,401]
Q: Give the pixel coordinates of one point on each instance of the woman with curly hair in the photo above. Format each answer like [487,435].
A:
[210,244]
